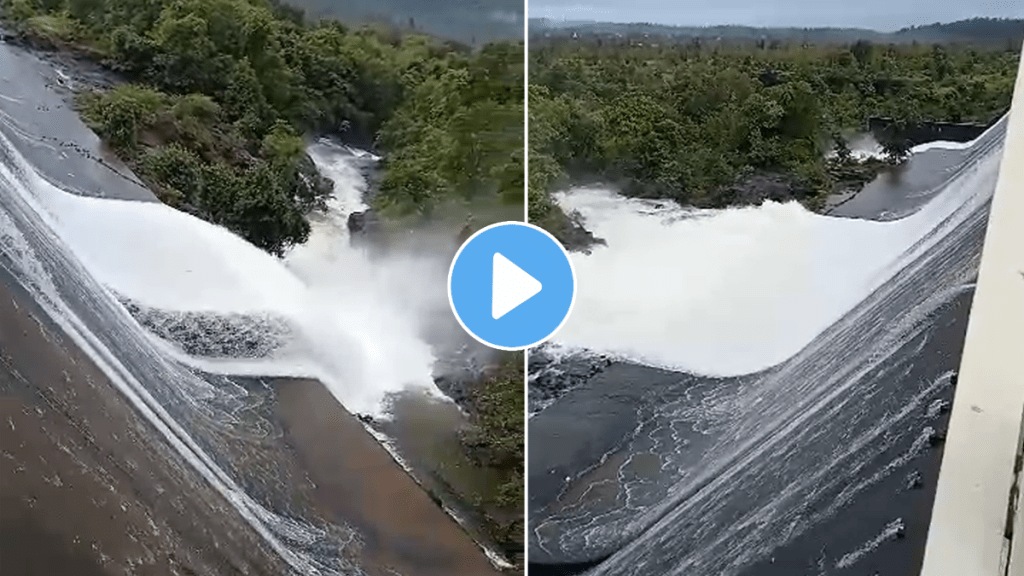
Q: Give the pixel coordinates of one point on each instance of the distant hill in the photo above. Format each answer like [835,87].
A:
[995,32]
[973,31]
[471,22]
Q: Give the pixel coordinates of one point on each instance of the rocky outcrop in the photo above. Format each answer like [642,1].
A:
[549,379]
[570,231]
[364,226]
[758,187]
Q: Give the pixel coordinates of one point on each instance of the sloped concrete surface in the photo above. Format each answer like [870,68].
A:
[975,529]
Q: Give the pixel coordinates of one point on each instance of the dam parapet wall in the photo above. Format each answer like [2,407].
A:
[975,528]
[923,132]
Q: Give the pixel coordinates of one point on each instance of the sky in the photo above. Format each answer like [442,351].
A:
[883,15]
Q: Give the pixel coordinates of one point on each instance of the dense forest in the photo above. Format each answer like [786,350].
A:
[993,32]
[471,22]
[223,91]
[703,123]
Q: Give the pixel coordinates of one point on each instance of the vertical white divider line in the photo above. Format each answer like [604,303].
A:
[526,218]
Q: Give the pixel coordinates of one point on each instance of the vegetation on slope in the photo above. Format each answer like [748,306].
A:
[693,122]
[223,90]
[497,441]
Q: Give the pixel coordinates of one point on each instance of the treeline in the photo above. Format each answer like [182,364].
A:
[224,90]
[693,122]
[979,32]
[468,21]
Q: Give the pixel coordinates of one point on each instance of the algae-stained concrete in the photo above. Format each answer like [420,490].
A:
[87,486]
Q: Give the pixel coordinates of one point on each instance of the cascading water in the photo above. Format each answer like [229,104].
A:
[230,354]
[193,413]
[735,291]
[190,322]
[344,324]
[779,377]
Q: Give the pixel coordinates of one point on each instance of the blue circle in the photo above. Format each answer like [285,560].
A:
[533,251]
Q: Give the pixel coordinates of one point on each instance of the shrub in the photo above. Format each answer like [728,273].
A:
[120,114]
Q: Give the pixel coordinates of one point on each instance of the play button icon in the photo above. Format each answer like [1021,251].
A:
[511,285]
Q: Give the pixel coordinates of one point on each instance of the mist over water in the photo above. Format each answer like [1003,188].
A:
[342,320]
[174,309]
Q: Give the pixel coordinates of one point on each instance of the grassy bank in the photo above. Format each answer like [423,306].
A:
[477,463]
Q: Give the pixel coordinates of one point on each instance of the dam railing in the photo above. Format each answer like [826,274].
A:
[976,527]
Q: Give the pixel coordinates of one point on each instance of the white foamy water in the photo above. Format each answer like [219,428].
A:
[349,329]
[33,264]
[865,147]
[735,291]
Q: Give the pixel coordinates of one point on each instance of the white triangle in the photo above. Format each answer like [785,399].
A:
[510,286]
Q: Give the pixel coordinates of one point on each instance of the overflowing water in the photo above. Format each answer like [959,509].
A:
[193,413]
[174,309]
[780,376]
[344,323]
[734,291]
[865,147]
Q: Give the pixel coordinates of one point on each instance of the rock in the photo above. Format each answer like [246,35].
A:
[456,385]
[213,335]
[459,370]
[573,235]
[363,223]
[758,187]
[313,188]
[550,379]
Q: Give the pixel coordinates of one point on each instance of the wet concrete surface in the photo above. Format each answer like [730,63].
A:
[629,475]
[96,491]
[49,132]
[86,486]
[352,479]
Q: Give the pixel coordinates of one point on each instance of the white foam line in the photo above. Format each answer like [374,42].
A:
[888,533]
